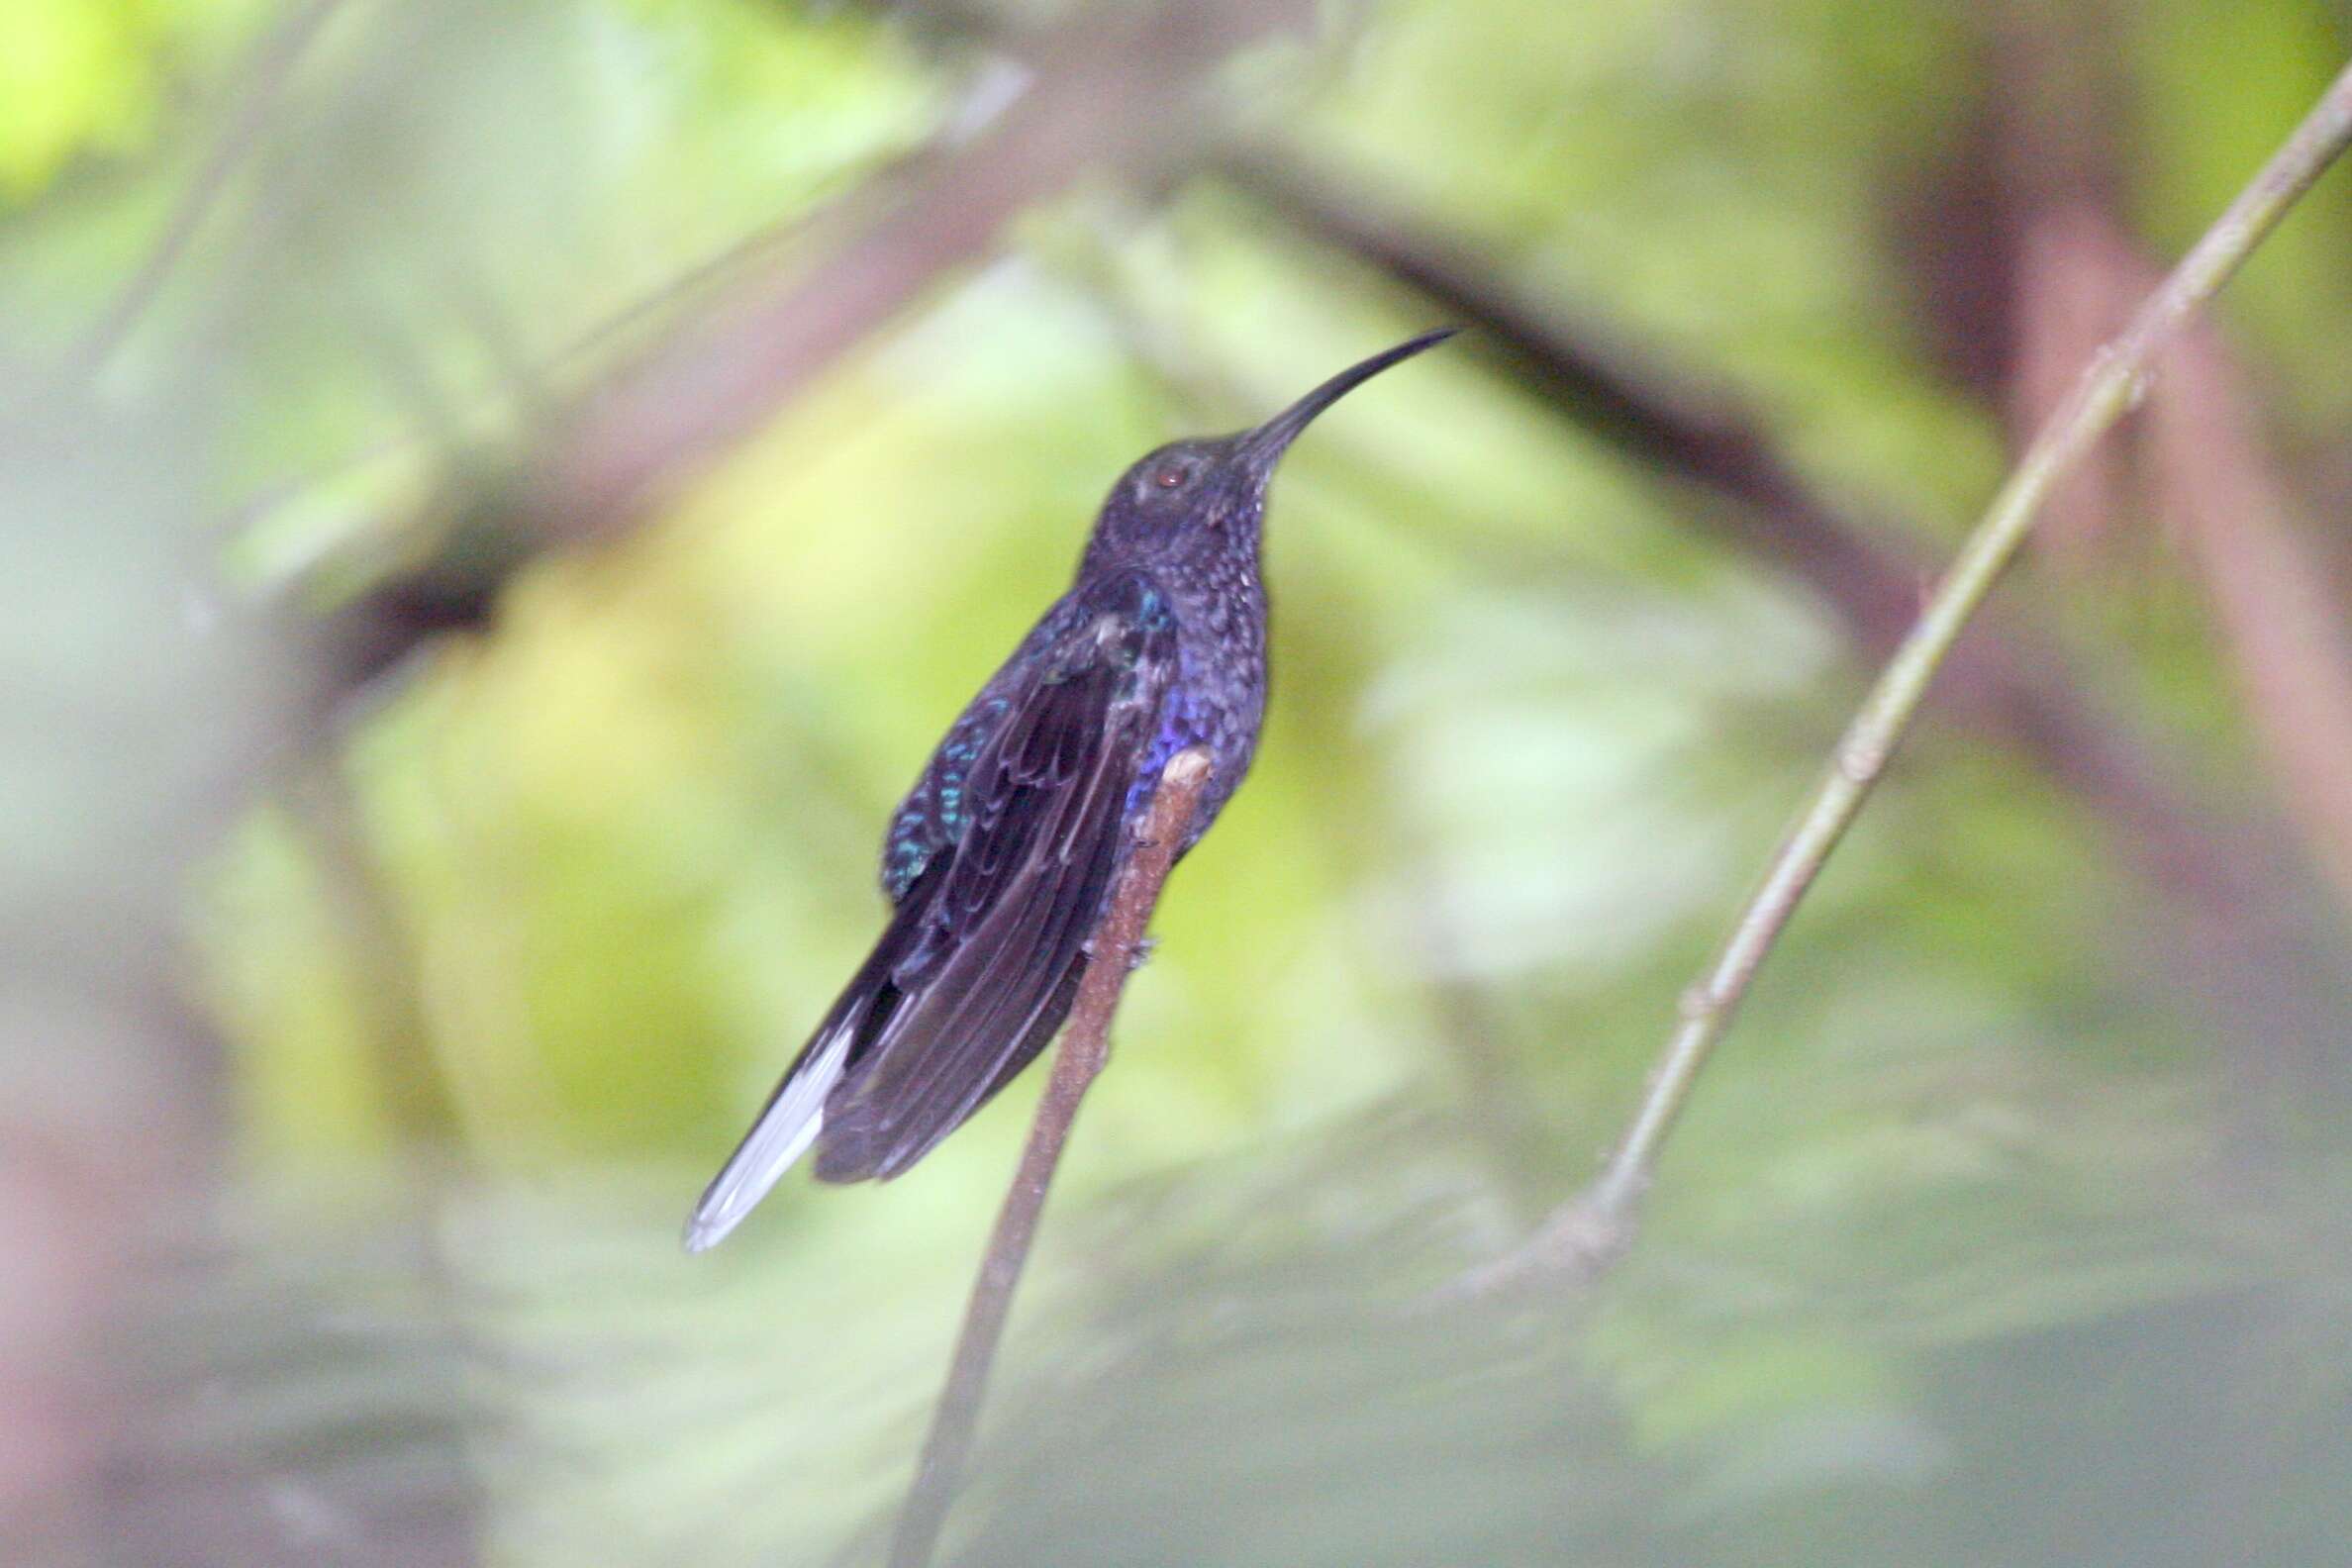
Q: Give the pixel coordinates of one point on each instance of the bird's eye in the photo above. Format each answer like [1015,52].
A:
[1168,479]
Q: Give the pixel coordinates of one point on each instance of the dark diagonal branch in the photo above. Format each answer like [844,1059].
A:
[1677,423]
[1085,1046]
[1587,1233]
[1702,435]
[659,306]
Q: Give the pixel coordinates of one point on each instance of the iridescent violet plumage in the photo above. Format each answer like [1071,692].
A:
[1000,862]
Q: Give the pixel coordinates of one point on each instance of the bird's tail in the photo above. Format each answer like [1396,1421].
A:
[788,1124]
[794,1112]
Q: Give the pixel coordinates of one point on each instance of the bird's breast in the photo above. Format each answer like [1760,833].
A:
[1217,700]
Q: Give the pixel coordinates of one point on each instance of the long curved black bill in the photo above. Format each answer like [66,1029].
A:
[1266,442]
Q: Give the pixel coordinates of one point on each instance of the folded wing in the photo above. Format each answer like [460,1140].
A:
[981,961]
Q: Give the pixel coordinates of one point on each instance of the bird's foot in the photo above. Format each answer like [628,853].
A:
[1138,955]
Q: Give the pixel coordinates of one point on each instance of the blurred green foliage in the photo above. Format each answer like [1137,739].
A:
[554,902]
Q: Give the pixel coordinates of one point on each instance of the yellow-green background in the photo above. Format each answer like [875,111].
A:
[1991,1238]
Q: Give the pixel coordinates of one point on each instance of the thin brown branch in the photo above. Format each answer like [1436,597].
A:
[260,83]
[1085,1046]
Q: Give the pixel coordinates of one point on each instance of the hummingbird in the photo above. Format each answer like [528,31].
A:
[1000,862]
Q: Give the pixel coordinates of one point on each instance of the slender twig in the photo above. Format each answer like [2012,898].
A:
[1587,1234]
[1085,1046]
[262,82]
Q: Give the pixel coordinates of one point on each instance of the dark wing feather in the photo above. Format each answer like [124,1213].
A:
[1021,886]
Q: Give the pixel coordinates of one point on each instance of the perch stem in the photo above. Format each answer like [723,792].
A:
[1085,1046]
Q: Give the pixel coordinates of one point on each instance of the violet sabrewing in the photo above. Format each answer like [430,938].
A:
[1000,862]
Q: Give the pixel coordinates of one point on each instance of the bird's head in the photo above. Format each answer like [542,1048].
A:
[1209,495]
